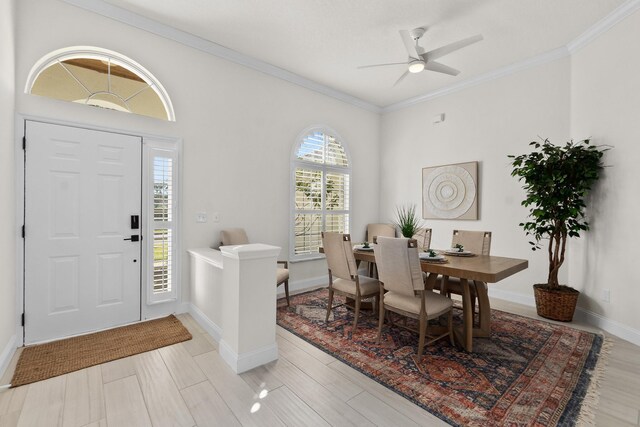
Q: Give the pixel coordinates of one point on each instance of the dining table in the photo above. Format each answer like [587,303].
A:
[473,271]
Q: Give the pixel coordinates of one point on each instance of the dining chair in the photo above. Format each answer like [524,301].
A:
[373,231]
[343,274]
[400,276]
[423,237]
[477,242]
[237,236]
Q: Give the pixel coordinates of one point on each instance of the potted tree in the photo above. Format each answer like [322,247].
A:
[407,221]
[556,181]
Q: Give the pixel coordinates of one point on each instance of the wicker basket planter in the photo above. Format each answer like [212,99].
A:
[556,304]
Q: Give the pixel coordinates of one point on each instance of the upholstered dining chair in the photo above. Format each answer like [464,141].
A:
[237,236]
[375,230]
[423,237]
[400,276]
[477,242]
[343,274]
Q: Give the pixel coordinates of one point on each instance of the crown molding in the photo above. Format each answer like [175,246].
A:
[141,22]
[535,61]
[603,25]
[130,18]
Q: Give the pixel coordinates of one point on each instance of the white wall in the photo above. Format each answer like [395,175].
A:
[238,126]
[605,105]
[7,181]
[483,123]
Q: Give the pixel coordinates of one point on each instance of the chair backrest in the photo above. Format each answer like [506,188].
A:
[399,265]
[233,236]
[339,252]
[374,230]
[478,242]
[423,237]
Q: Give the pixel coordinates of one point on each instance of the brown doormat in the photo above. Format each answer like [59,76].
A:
[43,361]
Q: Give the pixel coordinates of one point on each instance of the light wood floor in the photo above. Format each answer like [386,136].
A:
[188,384]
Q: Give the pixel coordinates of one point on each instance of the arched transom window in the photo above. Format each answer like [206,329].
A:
[321,190]
[100,78]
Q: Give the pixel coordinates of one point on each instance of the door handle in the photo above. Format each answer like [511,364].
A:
[133,238]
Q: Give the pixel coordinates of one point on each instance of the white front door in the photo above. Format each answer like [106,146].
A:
[81,273]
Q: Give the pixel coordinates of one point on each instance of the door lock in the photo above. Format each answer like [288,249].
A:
[133,238]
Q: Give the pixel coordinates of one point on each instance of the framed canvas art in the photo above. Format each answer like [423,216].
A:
[450,191]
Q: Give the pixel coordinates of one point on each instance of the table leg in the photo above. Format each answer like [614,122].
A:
[467,316]
[432,280]
[484,307]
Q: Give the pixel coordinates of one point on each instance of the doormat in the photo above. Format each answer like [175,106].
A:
[528,373]
[42,361]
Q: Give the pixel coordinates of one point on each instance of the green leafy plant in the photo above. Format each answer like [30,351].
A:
[432,253]
[556,181]
[458,247]
[407,220]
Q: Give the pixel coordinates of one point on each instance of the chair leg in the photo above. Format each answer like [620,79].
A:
[286,291]
[423,331]
[380,307]
[326,320]
[357,313]
[450,327]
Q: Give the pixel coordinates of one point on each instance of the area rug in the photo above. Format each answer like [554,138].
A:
[43,361]
[528,373]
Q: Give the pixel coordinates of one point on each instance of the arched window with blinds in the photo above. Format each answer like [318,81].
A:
[321,181]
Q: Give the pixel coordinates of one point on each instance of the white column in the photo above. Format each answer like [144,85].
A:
[249,305]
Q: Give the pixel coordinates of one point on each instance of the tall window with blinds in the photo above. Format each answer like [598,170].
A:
[320,191]
[162,226]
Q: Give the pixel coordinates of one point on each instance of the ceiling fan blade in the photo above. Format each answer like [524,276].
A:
[382,65]
[440,68]
[445,50]
[406,73]
[410,44]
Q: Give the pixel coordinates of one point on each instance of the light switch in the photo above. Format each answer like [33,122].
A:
[216,216]
[201,217]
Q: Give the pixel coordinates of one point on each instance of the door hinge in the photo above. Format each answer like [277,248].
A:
[24,142]
[22,319]
[23,232]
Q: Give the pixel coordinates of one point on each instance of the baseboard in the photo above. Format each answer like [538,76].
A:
[183,307]
[246,361]
[582,314]
[298,286]
[613,327]
[518,298]
[7,355]
[207,324]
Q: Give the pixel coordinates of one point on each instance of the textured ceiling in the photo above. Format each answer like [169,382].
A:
[325,41]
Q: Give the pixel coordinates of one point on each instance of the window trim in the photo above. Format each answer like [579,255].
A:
[294,163]
[158,148]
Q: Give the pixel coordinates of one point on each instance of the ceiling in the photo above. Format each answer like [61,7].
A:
[325,41]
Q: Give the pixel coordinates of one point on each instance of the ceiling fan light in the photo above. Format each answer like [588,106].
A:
[416,66]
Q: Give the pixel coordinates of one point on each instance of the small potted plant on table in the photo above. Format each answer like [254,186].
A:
[407,221]
[556,182]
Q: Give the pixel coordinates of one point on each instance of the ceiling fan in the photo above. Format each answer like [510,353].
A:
[419,60]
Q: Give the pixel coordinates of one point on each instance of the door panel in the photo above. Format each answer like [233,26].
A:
[81,188]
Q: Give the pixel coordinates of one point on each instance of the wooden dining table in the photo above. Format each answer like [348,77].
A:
[473,271]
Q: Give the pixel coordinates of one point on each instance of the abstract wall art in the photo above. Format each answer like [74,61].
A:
[450,191]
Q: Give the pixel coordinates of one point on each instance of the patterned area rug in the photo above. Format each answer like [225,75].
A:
[529,373]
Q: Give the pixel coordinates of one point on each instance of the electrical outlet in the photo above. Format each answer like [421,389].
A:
[201,217]
[606,295]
